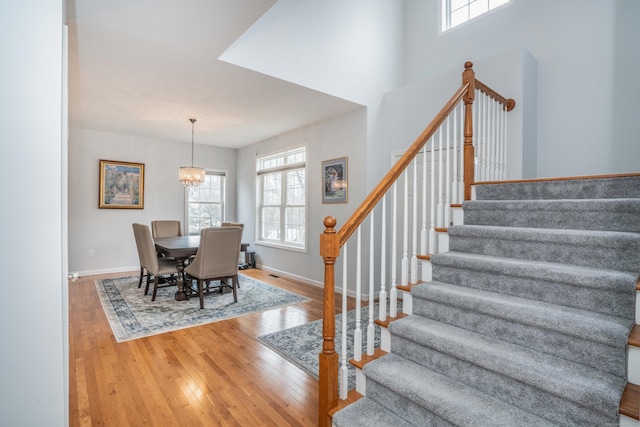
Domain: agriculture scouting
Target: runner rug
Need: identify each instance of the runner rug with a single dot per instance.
(132, 314)
(302, 344)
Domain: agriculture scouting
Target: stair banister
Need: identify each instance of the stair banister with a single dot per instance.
(331, 240)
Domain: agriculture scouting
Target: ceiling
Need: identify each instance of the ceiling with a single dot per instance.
(144, 67)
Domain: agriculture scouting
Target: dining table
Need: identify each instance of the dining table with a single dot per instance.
(181, 248)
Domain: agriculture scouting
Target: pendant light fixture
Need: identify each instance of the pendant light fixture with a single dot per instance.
(191, 176)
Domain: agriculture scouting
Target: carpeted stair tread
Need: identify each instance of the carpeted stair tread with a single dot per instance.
(367, 413)
(583, 385)
(604, 249)
(606, 329)
(611, 187)
(594, 289)
(448, 399)
(600, 214)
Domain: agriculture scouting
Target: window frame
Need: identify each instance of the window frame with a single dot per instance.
(444, 15)
(282, 169)
(223, 203)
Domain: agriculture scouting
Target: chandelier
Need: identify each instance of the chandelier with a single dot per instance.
(191, 176)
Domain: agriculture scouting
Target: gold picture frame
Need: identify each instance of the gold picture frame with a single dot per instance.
(121, 185)
(335, 184)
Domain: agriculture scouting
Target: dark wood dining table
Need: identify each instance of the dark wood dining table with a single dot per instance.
(181, 248)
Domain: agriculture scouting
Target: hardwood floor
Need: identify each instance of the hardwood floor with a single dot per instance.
(210, 375)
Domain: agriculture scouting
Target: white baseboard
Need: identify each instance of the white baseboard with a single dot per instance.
(365, 297)
(135, 269)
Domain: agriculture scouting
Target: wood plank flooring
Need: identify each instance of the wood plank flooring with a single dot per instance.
(210, 375)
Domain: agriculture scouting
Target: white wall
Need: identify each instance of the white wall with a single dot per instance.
(33, 315)
(344, 135)
(108, 232)
(574, 43)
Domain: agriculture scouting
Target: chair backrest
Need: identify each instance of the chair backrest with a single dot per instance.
(235, 224)
(166, 228)
(146, 248)
(216, 256)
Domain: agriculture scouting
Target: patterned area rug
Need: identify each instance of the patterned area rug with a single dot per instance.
(302, 344)
(132, 315)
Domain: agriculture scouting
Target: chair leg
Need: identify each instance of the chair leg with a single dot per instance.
(146, 288)
(141, 276)
(201, 292)
(234, 280)
(155, 287)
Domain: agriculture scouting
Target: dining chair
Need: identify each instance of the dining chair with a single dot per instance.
(149, 260)
(216, 260)
(166, 228)
(235, 224)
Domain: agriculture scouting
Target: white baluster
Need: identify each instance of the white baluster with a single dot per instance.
(357, 333)
(344, 371)
(423, 230)
(447, 181)
(370, 325)
(382, 297)
(440, 217)
(393, 292)
(454, 182)
(461, 157)
(404, 280)
(414, 229)
(432, 201)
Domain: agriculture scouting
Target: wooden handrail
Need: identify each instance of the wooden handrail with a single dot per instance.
(331, 240)
(507, 104)
(385, 184)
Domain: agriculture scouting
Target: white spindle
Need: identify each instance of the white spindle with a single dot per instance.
(414, 229)
(432, 201)
(382, 297)
(357, 333)
(460, 150)
(370, 325)
(423, 230)
(343, 374)
(440, 217)
(404, 280)
(393, 292)
(447, 182)
(504, 142)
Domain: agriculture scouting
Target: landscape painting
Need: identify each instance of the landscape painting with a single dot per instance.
(121, 185)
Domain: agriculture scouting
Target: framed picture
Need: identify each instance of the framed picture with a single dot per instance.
(334, 181)
(121, 185)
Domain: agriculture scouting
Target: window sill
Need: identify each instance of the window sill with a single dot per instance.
(281, 246)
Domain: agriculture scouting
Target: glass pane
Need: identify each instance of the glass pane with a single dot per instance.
(295, 187)
(495, 3)
(202, 215)
(270, 223)
(457, 4)
(459, 16)
(272, 189)
(294, 225)
(477, 8)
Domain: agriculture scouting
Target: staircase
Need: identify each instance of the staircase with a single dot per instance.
(527, 318)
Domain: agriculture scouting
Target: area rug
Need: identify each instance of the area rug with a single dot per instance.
(302, 344)
(132, 314)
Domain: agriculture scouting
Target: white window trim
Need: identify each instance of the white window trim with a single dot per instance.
(442, 17)
(219, 172)
(258, 219)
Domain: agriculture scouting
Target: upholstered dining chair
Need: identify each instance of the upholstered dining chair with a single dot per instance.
(149, 260)
(235, 224)
(216, 259)
(166, 228)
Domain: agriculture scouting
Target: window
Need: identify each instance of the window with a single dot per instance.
(206, 203)
(281, 199)
(456, 12)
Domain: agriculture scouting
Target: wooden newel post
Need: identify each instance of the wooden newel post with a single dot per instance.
(328, 366)
(468, 76)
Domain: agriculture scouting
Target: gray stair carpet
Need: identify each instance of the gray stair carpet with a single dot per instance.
(527, 318)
